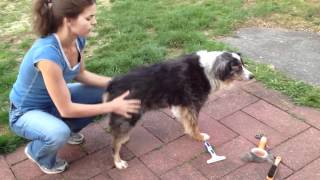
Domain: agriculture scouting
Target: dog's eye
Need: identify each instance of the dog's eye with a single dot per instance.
(237, 68)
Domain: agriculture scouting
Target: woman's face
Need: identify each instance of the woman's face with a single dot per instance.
(83, 24)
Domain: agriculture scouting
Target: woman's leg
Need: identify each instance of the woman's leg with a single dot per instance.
(47, 132)
(86, 95)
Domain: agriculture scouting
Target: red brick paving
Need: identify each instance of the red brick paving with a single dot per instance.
(179, 173)
(159, 162)
(96, 138)
(273, 97)
(142, 141)
(310, 172)
(233, 150)
(248, 127)
(253, 171)
(158, 149)
(5, 171)
(226, 105)
(300, 150)
(71, 153)
(215, 129)
(275, 118)
(162, 126)
(137, 171)
(17, 156)
(310, 115)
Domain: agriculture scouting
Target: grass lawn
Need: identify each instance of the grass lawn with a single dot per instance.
(135, 32)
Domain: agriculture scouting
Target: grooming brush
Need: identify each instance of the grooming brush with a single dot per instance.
(274, 168)
(259, 154)
(214, 156)
(259, 136)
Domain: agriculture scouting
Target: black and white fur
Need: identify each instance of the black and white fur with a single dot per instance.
(183, 84)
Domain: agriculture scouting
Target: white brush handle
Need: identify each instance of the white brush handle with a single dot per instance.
(214, 156)
(209, 148)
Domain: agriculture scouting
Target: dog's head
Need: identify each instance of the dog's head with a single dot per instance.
(224, 66)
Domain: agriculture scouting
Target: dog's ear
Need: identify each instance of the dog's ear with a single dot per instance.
(240, 55)
(222, 67)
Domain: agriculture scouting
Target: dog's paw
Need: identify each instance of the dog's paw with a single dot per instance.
(121, 164)
(205, 136)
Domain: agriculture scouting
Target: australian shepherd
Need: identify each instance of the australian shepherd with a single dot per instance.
(183, 84)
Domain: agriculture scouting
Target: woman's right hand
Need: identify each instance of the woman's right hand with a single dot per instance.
(124, 107)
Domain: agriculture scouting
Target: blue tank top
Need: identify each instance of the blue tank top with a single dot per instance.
(29, 91)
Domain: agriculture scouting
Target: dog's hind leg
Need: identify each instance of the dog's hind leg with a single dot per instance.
(188, 118)
(118, 141)
(120, 129)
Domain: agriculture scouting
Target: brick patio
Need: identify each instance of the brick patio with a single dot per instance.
(158, 149)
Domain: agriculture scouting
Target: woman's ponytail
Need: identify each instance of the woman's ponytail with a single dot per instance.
(43, 18)
(48, 14)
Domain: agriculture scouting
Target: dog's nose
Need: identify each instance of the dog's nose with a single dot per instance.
(251, 76)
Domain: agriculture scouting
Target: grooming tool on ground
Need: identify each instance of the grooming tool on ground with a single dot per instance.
(259, 136)
(214, 156)
(274, 168)
(259, 154)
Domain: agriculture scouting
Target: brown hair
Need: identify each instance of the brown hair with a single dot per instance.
(48, 14)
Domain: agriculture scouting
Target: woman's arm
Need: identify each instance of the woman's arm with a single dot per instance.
(92, 79)
(59, 93)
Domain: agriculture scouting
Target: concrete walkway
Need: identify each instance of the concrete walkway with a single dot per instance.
(295, 53)
(158, 149)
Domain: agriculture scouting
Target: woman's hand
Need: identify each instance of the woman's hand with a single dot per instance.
(123, 106)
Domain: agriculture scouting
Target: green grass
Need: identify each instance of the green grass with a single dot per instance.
(135, 32)
(300, 92)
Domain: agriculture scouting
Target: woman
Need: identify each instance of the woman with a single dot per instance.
(45, 107)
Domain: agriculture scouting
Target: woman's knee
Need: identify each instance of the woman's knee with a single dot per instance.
(58, 137)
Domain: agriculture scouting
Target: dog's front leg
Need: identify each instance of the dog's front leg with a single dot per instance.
(188, 119)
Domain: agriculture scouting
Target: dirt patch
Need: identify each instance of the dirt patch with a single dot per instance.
(283, 21)
(174, 52)
(315, 2)
(105, 3)
(248, 3)
(3, 131)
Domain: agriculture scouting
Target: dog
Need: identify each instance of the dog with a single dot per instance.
(183, 84)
